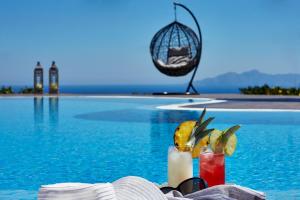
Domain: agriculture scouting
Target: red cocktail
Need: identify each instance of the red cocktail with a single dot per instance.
(212, 168)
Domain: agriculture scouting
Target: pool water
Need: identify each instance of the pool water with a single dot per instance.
(81, 139)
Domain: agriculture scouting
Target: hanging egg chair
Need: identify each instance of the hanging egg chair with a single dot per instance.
(176, 49)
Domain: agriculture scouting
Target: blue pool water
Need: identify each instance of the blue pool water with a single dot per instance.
(80, 139)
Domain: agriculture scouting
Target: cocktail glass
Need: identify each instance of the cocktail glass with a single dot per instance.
(180, 166)
(212, 168)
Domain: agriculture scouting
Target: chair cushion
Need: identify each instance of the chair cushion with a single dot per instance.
(178, 51)
(178, 60)
(175, 65)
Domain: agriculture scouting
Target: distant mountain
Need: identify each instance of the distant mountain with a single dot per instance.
(231, 81)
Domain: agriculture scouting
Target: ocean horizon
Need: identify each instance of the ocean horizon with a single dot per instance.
(128, 89)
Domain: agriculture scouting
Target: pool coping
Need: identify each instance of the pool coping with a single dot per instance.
(191, 107)
(181, 106)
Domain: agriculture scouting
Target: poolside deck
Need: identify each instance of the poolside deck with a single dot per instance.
(238, 101)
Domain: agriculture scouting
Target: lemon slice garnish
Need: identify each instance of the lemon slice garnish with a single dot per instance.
(224, 141)
(214, 138)
(230, 145)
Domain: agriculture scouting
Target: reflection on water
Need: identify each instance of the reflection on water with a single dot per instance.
(142, 116)
(53, 110)
(38, 109)
(163, 125)
(159, 118)
(173, 116)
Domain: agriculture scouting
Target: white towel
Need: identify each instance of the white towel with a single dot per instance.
(220, 192)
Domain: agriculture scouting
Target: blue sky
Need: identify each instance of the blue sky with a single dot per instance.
(107, 41)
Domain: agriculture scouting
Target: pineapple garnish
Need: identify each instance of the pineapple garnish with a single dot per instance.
(193, 135)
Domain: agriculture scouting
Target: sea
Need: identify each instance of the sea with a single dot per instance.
(129, 89)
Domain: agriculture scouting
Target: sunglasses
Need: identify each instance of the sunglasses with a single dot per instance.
(188, 186)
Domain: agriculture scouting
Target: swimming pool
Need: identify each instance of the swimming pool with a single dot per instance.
(84, 139)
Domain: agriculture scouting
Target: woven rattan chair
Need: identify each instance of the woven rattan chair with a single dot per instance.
(176, 49)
